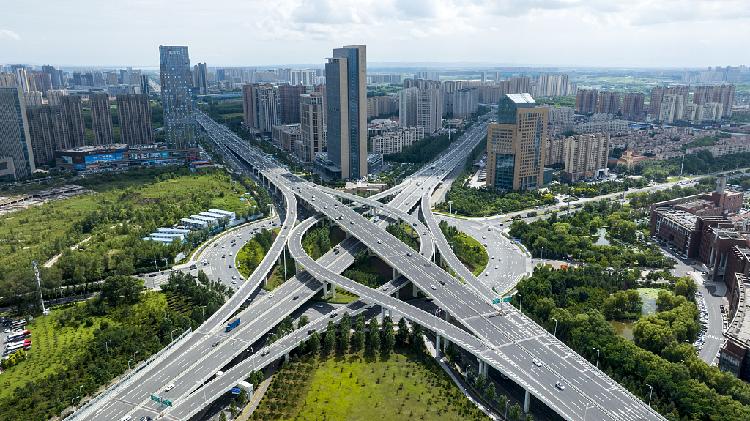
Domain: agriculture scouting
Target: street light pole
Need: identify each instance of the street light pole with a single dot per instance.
(597, 357)
(171, 336)
(203, 310)
(450, 207)
(555, 333)
(649, 394)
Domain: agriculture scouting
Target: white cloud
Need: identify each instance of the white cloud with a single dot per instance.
(8, 34)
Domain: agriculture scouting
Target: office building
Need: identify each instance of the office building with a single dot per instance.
(134, 114)
(200, 78)
(608, 102)
(585, 156)
(176, 80)
(289, 103)
(346, 113)
(516, 144)
(586, 101)
(632, 106)
(16, 153)
(32, 99)
(56, 76)
(260, 106)
(72, 116)
(421, 105)
(312, 126)
(101, 118)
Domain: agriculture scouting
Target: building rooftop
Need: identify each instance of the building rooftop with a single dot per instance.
(679, 217)
(739, 327)
(521, 98)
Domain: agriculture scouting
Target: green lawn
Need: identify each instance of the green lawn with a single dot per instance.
(53, 349)
(125, 208)
(353, 388)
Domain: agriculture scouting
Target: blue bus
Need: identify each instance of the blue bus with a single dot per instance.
(232, 325)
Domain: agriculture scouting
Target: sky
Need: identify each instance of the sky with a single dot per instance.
(601, 33)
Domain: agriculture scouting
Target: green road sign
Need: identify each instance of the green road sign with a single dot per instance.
(167, 402)
(496, 301)
(507, 299)
(155, 398)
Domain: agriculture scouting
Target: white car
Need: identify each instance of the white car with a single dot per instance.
(432, 287)
(537, 362)
(169, 387)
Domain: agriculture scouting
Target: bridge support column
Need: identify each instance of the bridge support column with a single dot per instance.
(394, 274)
(438, 351)
(286, 357)
(382, 313)
(414, 290)
(526, 401)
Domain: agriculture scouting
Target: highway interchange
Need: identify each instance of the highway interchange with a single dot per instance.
(498, 335)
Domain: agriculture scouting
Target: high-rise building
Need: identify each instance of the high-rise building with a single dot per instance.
(200, 78)
(547, 84)
(134, 114)
(722, 94)
(346, 114)
(465, 102)
(608, 102)
(585, 156)
(145, 87)
(421, 105)
(101, 118)
(32, 99)
(48, 132)
(261, 106)
(561, 120)
(632, 106)
(305, 77)
(72, 116)
(312, 126)
(56, 76)
(289, 103)
(516, 144)
(176, 80)
(672, 108)
(586, 101)
(382, 106)
(16, 153)
(657, 96)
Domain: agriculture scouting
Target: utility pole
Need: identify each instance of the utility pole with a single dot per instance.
(39, 286)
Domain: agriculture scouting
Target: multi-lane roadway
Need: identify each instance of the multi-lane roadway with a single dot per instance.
(499, 336)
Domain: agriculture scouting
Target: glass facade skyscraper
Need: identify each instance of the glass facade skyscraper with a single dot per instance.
(346, 103)
(176, 81)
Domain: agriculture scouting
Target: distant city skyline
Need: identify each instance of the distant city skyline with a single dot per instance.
(640, 33)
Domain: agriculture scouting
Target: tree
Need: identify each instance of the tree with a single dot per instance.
(119, 289)
(303, 321)
(416, 338)
(345, 326)
(389, 339)
(402, 335)
(373, 337)
(329, 340)
(514, 412)
(490, 393)
(358, 338)
(685, 287)
(313, 344)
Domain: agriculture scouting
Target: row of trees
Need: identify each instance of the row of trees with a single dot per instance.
(485, 201)
(405, 233)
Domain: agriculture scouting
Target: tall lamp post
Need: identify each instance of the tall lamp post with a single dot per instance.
(450, 207)
(651, 391)
(597, 357)
(555, 332)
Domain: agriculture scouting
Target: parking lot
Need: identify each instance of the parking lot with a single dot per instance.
(15, 337)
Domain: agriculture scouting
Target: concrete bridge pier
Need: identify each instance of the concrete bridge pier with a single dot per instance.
(438, 350)
(526, 401)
